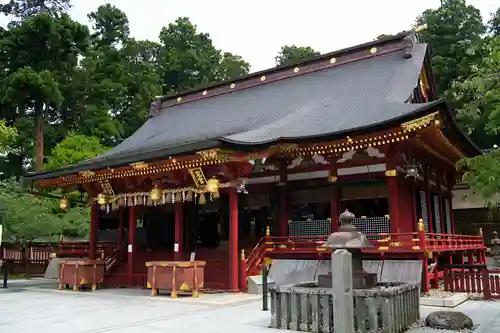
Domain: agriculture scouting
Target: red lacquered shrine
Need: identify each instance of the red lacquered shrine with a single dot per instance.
(262, 163)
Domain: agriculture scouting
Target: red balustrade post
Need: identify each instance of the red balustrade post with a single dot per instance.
(243, 272)
(425, 263)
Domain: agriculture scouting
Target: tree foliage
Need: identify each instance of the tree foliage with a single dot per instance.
(75, 148)
(26, 217)
(66, 93)
(452, 29)
(291, 54)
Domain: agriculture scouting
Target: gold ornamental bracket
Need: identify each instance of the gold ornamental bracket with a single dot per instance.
(215, 154)
(391, 173)
(431, 119)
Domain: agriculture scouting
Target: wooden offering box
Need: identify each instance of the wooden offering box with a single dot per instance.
(81, 272)
(186, 276)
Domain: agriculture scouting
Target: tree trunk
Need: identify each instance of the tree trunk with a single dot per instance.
(39, 120)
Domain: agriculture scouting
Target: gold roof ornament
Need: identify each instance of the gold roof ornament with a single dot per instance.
(101, 199)
(155, 194)
(64, 203)
(212, 185)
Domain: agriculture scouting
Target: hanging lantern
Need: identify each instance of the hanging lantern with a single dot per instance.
(64, 203)
(101, 199)
(155, 194)
(189, 196)
(168, 199)
(202, 199)
(213, 185)
(178, 197)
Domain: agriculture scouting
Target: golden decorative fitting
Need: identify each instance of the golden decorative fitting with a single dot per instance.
(242, 254)
(285, 147)
(212, 185)
(418, 123)
(101, 199)
(179, 99)
(215, 154)
(139, 165)
(233, 85)
(391, 173)
(263, 78)
(421, 226)
(205, 93)
(333, 60)
(268, 231)
(332, 179)
(428, 255)
(437, 122)
(202, 199)
(373, 50)
(86, 174)
(383, 248)
(64, 203)
(416, 247)
(155, 194)
(296, 70)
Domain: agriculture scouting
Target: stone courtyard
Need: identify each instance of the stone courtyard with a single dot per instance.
(36, 306)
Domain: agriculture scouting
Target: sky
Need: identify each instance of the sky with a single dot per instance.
(257, 29)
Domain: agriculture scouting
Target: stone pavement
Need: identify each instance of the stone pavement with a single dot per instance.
(36, 306)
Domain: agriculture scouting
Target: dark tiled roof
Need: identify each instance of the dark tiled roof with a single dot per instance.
(340, 99)
(355, 95)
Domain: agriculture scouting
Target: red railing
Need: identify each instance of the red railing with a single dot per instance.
(473, 281)
(82, 248)
(311, 246)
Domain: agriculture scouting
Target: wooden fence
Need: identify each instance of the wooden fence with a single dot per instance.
(32, 260)
(475, 279)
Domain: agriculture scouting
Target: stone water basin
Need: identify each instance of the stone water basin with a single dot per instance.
(391, 307)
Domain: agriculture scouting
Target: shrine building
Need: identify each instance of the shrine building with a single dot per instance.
(277, 153)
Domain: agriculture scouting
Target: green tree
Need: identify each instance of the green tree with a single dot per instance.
(188, 59)
(41, 51)
(494, 23)
(479, 94)
(452, 30)
(26, 217)
(75, 148)
(291, 54)
(22, 9)
(8, 136)
(232, 66)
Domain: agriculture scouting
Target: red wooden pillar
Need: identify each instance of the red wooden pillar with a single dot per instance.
(132, 224)
(427, 188)
(392, 184)
(442, 210)
(334, 199)
(233, 239)
(283, 205)
(120, 225)
(452, 215)
(179, 217)
(94, 226)
(334, 209)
